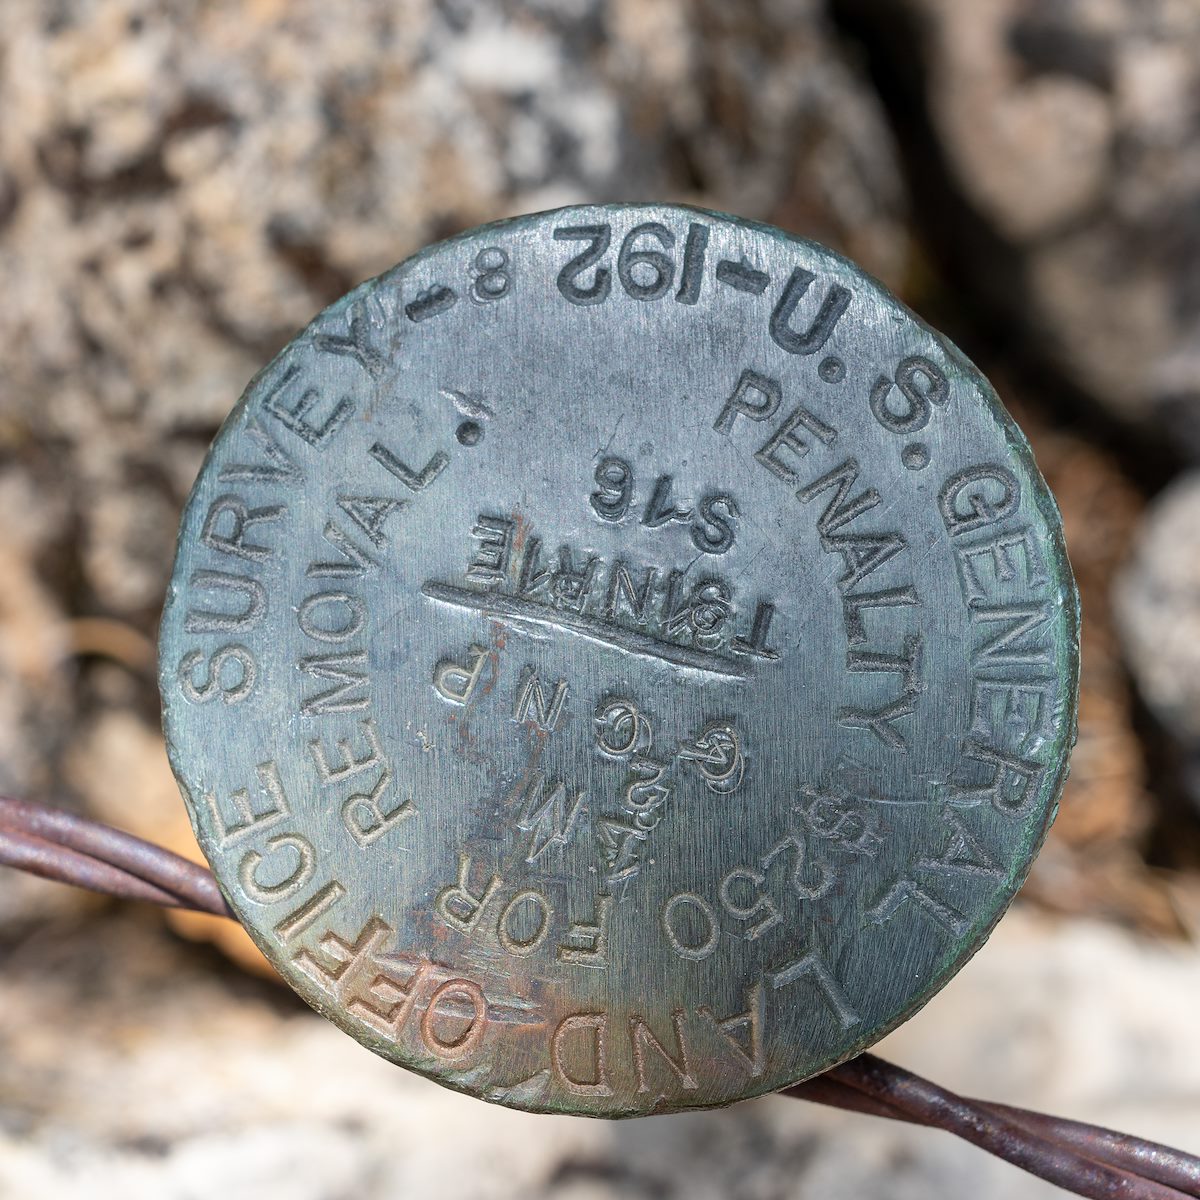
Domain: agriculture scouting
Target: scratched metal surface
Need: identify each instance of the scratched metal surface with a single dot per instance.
(619, 660)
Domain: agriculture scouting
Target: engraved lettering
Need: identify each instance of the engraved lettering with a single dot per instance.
(642, 1039)
(854, 603)
(950, 919)
(825, 877)
(278, 469)
(366, 818)
(549, 819)
(756, 643)
(742, 276)
(962, 852)
(717, 753)
(490, 564)
(646, 274)
(571, 584)
(841, 509)
(590, 941)
(231, 675)
(456, 683)
(531, 703)
(679, 619)
(294, 411)
(468, 1038)
(978, 496)
(1013, 783)
(598, 238)
(712, 532)
(621, 729)
(751, 1052)
(921, 384)
(370, 514)
(430, 302)
(692, 275)
(352, 972)
(285, 888)
(360, 345)
(755, 396)
(363, 815)
(350, 690)
(296, 922)
(695, 933)
(457, 905)
(660, 509)
(880, 720)
(786, 438)
(253, 603)
(415, 481)
(593, 1081)
(614, 489)
(1006, 648)
(240, 817)
(333, 617)
(355, 561)
(532, 578)
(758, 902)
(862, 554)
(811, 967)
(493, 279)
(349, 766)
(810, 340)
(986, 564)
(832, 816)
(636, 597)
(510, 921)
(386, 1001)
(1013, 714)
(240, 519)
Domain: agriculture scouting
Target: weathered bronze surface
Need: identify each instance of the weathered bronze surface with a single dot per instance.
(620, 660)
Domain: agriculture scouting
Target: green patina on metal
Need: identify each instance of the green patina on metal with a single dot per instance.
(620, 661)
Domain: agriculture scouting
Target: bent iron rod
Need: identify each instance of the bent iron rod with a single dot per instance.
(1084, 1159)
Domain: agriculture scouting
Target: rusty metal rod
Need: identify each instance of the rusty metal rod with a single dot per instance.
(53, 861)
(1015, 1143)
(1151, 1160)
(1084, 1159)
(188, 885)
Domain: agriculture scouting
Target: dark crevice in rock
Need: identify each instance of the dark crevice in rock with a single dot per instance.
(306, 256)
(1173, 841)
(978, 295)
(1048, 45)
(197, 112)
(576, 1172)
(62, 159)
(10, 199)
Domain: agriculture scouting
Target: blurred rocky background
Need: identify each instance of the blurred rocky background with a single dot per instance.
(184, 184)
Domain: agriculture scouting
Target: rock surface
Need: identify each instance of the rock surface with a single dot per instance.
(1158, 599)
(1067, 130)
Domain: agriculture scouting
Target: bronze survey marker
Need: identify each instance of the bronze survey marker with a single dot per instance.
(620, 660)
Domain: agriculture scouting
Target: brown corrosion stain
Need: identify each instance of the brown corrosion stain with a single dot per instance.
(522, 527)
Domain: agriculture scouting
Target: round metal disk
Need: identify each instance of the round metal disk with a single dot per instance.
(620, 660)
